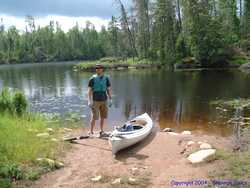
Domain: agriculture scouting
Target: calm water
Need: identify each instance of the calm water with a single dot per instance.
(179, 100)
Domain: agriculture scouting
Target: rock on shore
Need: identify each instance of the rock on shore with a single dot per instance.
(201, 156)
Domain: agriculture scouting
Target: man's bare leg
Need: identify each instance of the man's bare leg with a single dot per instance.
(102, 124)
(92, 125)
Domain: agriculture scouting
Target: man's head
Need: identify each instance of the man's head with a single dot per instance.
(99, 69)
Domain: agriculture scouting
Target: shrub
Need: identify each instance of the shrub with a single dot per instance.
(13, 103)
(20, 103)
(245, 45)
(6, 101)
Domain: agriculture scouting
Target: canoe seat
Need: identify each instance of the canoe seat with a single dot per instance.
(130, 127)
(137, 127)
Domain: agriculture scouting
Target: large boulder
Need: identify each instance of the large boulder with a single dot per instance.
(201, 156)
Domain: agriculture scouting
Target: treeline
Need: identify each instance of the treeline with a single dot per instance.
(162, 30)
(170, 30)
(50, 43)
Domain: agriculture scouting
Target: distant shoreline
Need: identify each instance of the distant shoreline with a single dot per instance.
(41, 63)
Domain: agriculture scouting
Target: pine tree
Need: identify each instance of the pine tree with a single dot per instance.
(113, 30)
(164, 25)
(246, 20)
(229, 19)
(143, 35)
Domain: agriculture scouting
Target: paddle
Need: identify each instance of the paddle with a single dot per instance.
(75, 138)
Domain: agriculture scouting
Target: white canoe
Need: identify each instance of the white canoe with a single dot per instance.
(120, 139)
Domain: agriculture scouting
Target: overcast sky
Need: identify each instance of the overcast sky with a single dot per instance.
(67, 12)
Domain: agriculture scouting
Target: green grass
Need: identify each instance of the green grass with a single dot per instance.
(239, 60)
(20, 147)
(236, 167)
(19, 143)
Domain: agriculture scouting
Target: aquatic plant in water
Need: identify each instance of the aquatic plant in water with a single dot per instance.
(234, 103)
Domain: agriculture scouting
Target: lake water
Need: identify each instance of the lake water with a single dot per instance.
(174, 99)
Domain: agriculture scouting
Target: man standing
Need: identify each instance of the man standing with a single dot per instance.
(99, 91)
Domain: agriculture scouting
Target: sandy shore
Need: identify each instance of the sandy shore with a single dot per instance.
(155, 162)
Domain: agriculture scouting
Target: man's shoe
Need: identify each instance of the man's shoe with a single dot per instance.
(103, 134)
(90, 134)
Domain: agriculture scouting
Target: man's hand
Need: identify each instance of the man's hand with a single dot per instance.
(90, 103)
(110, 103)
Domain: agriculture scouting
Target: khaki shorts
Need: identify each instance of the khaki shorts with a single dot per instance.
(99, 107)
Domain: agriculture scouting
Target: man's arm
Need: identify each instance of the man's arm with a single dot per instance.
(90, 94)
(109, 91)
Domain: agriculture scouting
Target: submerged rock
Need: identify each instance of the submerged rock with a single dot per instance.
(201, 156)
(245, 66)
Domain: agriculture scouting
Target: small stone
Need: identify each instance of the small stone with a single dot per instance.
(132, 180)
(43, 135)
(59, 164)
(201, 156)
(200, 142)
(186, 133)
(205, 146)
(116, 181)
(47, 161)
(190, 143)
(219, 108)
(134, 169)
(50, 130)
(50, 162)
(54, 139)
(168, 130)
(33, 130)
(96, 178)
(67, 129)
